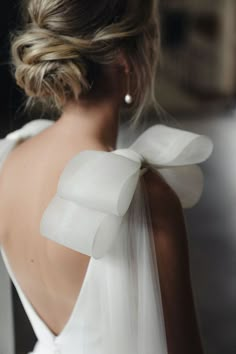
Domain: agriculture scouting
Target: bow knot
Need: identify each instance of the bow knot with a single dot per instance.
(135, 156)
(130, 154)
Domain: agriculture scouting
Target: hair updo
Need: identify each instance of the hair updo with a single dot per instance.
(59, 53)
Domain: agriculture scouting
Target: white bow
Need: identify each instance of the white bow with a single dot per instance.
(96, 188)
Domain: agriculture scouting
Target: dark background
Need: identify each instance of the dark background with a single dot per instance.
(11, 97)
(196, 86)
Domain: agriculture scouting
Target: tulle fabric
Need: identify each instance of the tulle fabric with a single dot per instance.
(134, 321)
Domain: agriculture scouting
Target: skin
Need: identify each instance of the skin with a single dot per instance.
(171, 246)
(51, 275)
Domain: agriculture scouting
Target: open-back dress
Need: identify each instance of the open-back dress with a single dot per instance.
(100, 209)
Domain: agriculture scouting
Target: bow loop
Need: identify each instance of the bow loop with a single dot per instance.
(165, 146)
(100, 180)
(94, 192)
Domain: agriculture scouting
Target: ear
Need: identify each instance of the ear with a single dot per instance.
(122, 60)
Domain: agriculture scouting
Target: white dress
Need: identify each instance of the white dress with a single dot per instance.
(100, 209)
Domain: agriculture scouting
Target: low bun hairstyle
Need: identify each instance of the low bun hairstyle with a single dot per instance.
(59, 53)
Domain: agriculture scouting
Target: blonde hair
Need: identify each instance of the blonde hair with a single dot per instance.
(64, 44)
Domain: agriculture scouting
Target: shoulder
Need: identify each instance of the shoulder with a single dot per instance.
(159, 191)
(3, 229)
(165, 206)
(172, 254)
(15, 175)
(9, 176)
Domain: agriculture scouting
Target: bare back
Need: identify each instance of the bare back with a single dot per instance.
(49, 274)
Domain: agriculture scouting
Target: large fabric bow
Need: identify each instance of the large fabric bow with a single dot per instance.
(96, 188)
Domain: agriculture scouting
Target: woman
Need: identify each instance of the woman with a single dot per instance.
(85, 226)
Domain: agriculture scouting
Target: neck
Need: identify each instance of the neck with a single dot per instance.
(93, 123)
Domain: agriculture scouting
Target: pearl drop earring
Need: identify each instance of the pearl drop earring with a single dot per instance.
(128, 97)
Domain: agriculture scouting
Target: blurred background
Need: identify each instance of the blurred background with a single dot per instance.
(196, 86)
